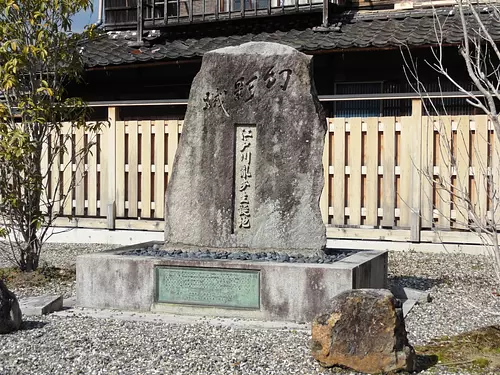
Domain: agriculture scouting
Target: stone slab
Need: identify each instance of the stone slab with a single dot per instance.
(410, 297)
(41, 305)
(288, 291)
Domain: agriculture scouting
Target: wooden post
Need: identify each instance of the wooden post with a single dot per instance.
(113, 116)
(416, 170)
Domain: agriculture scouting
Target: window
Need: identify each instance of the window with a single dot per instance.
(370, 108)
(249, 4)
(355, 108)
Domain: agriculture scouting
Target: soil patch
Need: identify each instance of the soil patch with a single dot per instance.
(477, 351)
(15, 278)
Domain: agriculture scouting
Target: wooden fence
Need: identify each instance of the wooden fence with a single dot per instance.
(379, 176)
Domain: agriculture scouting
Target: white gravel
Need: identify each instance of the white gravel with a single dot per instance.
(461, 287)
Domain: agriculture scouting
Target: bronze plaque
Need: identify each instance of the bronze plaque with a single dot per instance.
(208, 286)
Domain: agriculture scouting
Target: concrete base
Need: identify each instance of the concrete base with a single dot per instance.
(288, 291)
(40, 305)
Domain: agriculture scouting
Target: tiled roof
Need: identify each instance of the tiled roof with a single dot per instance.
(374, 29)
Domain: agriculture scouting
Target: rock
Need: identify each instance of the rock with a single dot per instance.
(248, 172)
(10, 312)
(363, 330)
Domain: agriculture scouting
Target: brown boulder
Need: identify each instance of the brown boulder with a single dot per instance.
(363, 330)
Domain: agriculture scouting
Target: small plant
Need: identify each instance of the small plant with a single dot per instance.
(39, 56)
(481, 362)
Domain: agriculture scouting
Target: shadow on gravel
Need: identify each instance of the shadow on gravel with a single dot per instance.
(424, 362)
(28, 325)
(419, 283)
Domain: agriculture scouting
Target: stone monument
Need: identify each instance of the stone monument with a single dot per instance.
(248, 171)
(242, 221)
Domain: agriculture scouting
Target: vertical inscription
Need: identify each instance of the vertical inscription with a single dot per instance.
(244, 178)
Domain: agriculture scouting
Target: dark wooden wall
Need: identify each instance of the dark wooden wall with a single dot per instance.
(355, 72)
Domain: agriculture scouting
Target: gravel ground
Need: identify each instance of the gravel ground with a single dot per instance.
(461, 286)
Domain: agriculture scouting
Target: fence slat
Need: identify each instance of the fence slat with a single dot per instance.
(323, 203)
(480, 166)
(159, 168)
(372, 172)
(120, 168)
(44, 169)
(146, 169)
(79, 172)
(414, 142)
(339, 170)
(462, 179)
(406, 166)
(444, 197)
(173, 140)
(67, 169)
(388, 161)
(55, 160)
(92, 177)
(132, 169)
(105, 166)
(108, 194)
(355, 172)
(426, 187)
(495, 188)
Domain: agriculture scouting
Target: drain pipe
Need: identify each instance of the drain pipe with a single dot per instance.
(139, 22)
(326, 13)
(100, 18)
